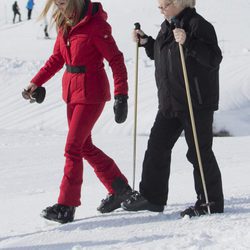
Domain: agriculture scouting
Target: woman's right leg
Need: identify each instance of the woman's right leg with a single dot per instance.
(81, 119)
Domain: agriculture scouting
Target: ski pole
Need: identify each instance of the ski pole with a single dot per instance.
(190, 107)
(137, 27)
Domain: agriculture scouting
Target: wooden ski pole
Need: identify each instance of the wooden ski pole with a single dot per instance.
(190, 107)
(137, 27)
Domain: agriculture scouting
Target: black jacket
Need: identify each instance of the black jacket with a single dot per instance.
(202, 56)
(15, 7)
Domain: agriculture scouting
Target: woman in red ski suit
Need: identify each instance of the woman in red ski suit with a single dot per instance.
(84, 40)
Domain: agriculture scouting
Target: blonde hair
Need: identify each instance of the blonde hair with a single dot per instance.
(185, 3)
(69, 17)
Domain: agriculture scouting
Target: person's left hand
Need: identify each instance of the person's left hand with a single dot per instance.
(180, 35)
(31, 87)
(121, 108)
(33, 93)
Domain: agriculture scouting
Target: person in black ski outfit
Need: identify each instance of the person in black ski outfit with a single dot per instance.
(203, 57)
(16, 11)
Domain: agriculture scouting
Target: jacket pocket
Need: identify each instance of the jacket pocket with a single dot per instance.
(77, 88)
(80, 87)
(170, 62)
(83, 85)
(65, 86)
(79, 44)
(198, 92)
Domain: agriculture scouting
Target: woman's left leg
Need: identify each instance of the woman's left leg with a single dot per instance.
(105, 168)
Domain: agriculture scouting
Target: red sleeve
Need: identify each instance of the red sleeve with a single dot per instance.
(106, 45)
(51, 67)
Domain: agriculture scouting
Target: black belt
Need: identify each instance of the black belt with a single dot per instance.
(75, 69)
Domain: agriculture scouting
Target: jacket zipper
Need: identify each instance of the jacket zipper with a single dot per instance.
(170, 71)
(197, 87)
(170, 62)
(68, 44)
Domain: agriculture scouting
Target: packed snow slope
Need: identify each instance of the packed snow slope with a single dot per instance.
(32, 141)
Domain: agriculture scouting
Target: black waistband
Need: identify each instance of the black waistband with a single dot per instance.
(75, 69)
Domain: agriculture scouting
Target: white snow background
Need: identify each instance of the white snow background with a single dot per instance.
(32, 138)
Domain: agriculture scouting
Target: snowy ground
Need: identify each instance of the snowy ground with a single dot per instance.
(32, 140)
(31, 166)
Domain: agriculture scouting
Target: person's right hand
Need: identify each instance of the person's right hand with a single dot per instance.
(139, 37)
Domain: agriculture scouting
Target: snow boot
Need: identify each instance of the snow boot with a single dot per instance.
(192, 212)
(59, 213)
(137, 202)
(113, 201)
(200, 208)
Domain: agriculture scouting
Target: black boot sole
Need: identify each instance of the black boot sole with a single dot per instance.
(56, 220)
(149, 207)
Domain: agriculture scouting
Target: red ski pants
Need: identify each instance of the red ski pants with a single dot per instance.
(81, 119)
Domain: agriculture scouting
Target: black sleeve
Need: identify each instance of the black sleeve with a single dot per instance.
(201, 43)
(149, 47)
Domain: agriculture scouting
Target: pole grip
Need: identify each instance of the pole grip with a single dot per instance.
(137, 26)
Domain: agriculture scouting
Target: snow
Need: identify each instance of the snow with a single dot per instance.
(32, 141)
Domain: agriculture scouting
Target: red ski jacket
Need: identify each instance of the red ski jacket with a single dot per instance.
(87, 44)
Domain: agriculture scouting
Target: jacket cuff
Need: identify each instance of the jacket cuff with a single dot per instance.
(149, 43)
(36, 81)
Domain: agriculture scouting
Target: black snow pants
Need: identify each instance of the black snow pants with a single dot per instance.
(29, 13)
(157, 159)
(16, 13)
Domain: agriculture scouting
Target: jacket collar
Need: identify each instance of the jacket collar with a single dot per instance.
(183, 17)
(85, 9)
(85, 16)
(89, 10)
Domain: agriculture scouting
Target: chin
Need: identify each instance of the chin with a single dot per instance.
(167, 18)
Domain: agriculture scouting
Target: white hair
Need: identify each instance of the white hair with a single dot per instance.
(185, 3)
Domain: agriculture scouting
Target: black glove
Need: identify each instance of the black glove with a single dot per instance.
(38, 95)
(139, 36)
(121, 108)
